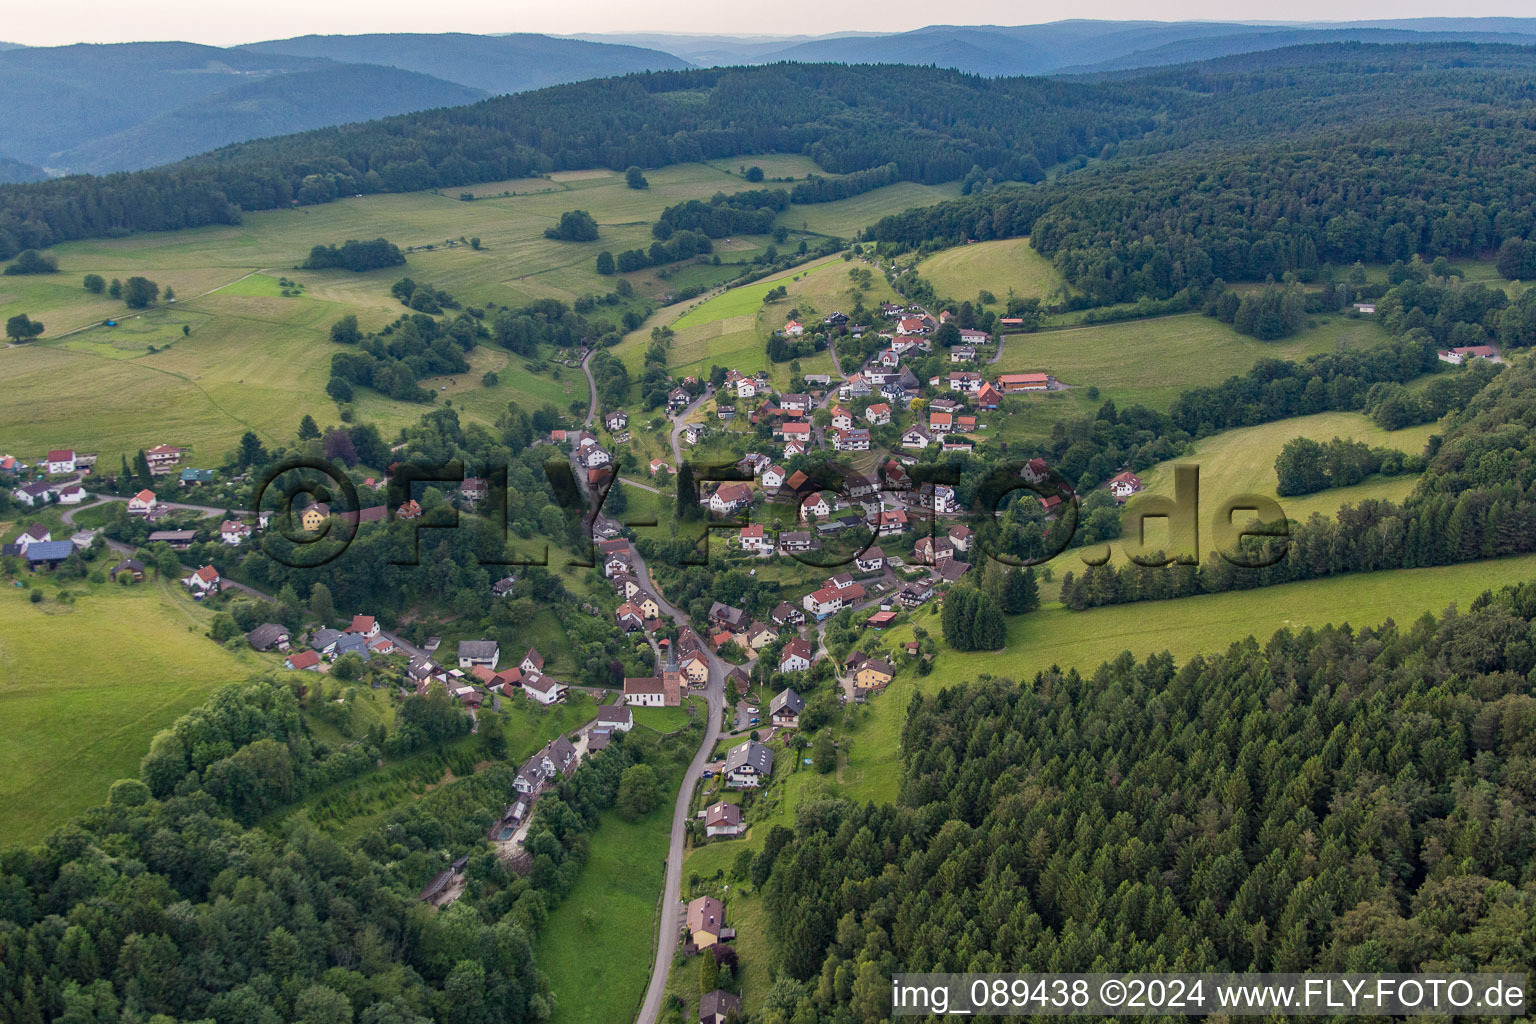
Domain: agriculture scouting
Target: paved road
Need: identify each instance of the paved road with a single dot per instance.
(586, 368)
(680, 421)
(998, 355)
(671, 893)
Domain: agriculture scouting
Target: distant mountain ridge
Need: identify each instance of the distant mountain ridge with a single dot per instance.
(495, 64)
(67, 110)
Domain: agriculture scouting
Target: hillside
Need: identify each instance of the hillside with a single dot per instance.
(68, 113)
(17, 171)
(495, 64)
(1066, 47)
(263, 107)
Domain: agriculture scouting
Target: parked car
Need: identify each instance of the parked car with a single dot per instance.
(754, 721)
(751, 711)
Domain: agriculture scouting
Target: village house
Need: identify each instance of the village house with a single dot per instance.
(202, 582)
(695, 669)
(871, 560)
(1123, 485)
(479, 652)
(726, 616)
(971, 336)
(71, 494)
(785, 614)
(931, 551)
(195, 477)
(962, 354)
(705, 921)
(793, 448)
(890, 522)
(267, 636)
(179, 540)
(613, 718)
(303, 661)
(796, 541)
(912, 325)
(988, 397)
(814, 505)
(141, 503)
(723, 819)
(873, 675)
(842, 419)
(233, 532)
(960, 537)
(1467, 353)
(797, 655)
(943, 499)
(754, 539)
(60, 461)
(966, 382)
(784, 709)
(132, 566)
(794, 329)
(50, 554)
(162, 459)
(691, 433)
(730, 497)
(532, 661)
(855, 440)
(878, 414)
(629, 618)
(773, 478)
(916, 436)
(940, 423)
(616, 421)
(542, 689)
(914, 594)
(793, 431)
(823, 603)
(748, 765)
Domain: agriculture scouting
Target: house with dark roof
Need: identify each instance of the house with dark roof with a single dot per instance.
(267, 636)
(748, 765)
(479, 652)
(718, 1006)
(723, 819)
(784, 710)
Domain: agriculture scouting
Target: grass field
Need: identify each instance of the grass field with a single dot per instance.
(1004, 267)
(596, 947)
(1152, 361)
(257, 360)
(846, 217)
(1242, 461)
(85, 686)
(731, 329)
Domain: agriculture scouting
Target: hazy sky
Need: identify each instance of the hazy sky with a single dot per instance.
(55, 22)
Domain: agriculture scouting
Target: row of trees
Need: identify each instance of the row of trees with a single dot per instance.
(1305, 466)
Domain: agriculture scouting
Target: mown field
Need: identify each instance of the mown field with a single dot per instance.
(846, 217)
(1242, 461)
(1151, 361)
(1006, 267)
(85, 686)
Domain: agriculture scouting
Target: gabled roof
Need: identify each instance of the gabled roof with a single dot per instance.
(786, 700)
(750, 754)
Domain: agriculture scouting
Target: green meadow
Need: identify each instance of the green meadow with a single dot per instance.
(1006, 267)
(1152, 361)
(85, 685)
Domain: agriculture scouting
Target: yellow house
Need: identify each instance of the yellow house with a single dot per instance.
(705, 920)
(315, 516)
(696, 669)
(648, 606)
(873, 674)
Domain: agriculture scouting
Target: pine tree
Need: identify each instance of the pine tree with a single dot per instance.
(308, 428)
(988, 631)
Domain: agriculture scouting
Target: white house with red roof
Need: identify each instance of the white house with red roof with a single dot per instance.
(366, 625)
(756, 540)
(162, 458)
(61, 460)
(794, 329)
(822, 603)
(912, 325)
(203, 582)
(878, 414)
(141, 503)
(1123, 485)
(814, 505)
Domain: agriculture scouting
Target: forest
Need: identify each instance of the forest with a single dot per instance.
(166, 904)
(1328, 800)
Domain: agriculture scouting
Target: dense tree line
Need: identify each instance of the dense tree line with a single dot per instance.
(1247, 812)
(355, 256)
(740, 213)
(681, 245)
(1305, 466)
(394, 359)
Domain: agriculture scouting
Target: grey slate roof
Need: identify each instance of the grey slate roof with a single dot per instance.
(750, 754)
